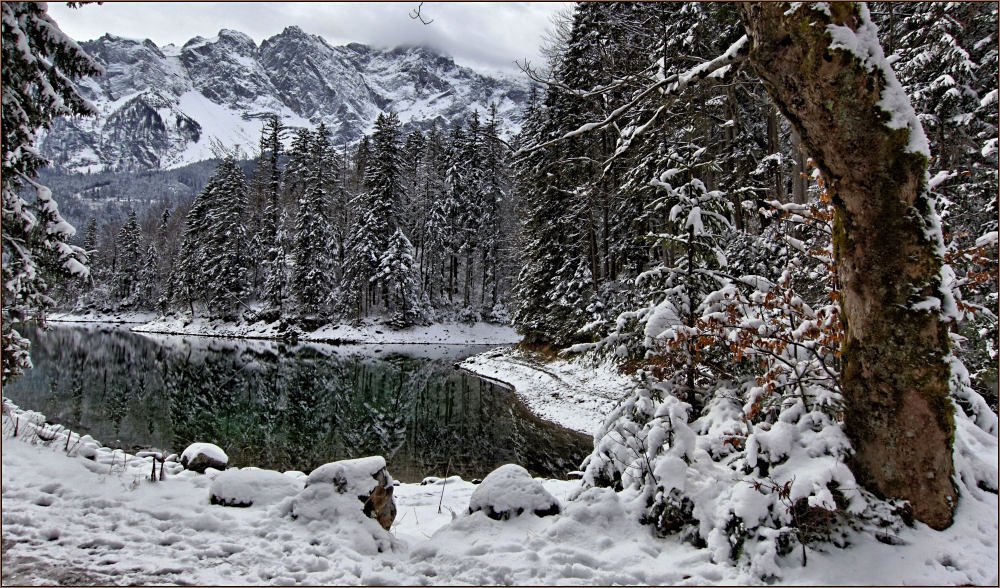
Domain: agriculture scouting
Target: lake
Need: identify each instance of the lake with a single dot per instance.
(289, 407)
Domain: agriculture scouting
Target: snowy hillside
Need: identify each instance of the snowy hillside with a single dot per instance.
(164, 107)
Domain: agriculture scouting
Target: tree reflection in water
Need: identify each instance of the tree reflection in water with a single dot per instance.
(289, 408)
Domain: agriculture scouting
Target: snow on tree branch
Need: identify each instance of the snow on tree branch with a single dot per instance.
(668, 86)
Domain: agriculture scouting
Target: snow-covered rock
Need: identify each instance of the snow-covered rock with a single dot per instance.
(334, 489)
(252, 487)
(199, 457)
(509, 491)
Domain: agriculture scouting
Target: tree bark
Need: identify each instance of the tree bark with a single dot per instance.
(798, 169)
(898, 414)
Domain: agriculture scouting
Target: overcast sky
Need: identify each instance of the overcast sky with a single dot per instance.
(487, 35)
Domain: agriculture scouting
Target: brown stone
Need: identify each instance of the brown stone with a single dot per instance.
(380, 505)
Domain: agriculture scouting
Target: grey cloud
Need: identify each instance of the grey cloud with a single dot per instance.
(483, 34)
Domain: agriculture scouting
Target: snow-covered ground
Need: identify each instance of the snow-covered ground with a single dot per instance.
(575, 393)
(72, 520)
(364, 332)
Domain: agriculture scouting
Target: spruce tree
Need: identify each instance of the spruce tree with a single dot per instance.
(227, 257)
(312, 272)
(396, 276)
(379, 208)
(129, 261)
(39, 65)
(90, 248)
(213, 260)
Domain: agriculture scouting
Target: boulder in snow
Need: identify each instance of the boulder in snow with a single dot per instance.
(252, 487)
(365, 479)
(200, 456)
(509, 491)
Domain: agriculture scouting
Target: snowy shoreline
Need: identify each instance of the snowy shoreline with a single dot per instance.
(574, 393)
(444, 333)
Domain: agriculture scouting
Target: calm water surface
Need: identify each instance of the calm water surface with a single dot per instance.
(289, 407)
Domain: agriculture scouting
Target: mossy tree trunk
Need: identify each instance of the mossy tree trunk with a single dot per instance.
(898, 414)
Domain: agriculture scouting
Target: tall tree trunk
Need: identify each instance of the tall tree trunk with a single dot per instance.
(798, 169)
(898, 414)
(774, 146)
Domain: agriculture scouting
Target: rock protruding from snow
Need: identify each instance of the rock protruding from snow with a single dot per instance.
(252, 487)
(509, 491)
(198, 457)
(365, 479)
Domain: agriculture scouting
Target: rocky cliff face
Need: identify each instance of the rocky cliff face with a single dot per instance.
(164, 107)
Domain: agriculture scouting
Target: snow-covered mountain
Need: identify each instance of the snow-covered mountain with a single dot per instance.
(164, 107)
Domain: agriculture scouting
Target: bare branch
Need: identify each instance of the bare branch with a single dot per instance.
(669, 86)
(415, 14)
(550, 82)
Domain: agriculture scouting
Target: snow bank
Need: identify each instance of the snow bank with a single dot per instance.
(366, 332)
(576, 393)
(510, 491)
(91, 316)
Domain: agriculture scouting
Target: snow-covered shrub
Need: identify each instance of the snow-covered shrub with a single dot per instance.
(726, 481)
(510, 491)
(762, 469)
(760, 466)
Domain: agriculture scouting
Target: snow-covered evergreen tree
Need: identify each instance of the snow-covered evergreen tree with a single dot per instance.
(312, 271)
(266, 188)
(213, 260)
(227, 257)
(379, 214)
(90, 247)
(39, 65)
(129, 261)
(396, 276)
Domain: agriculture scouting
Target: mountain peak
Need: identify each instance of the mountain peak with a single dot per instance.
(216, 90)
(230, 34)
(293, 31)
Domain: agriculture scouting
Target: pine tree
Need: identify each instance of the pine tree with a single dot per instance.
(411, 169)
(227, 259)
(312, 278)
(396, 276)
(379, 210)
(212, 263)
(270, 153)
(265, 202)
(433, 233)
(313, 268)
(147, 286)
(552, 253)
(90, 248)
(298, 169)
(361, 261)
(495, 202)
(276, 281)
(129, 262)
(39, 65)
